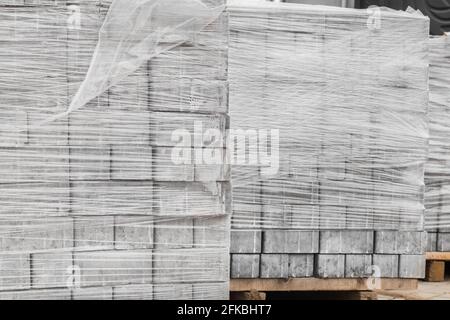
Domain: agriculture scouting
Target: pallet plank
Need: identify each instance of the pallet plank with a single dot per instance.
(440, 256)
(316, 284)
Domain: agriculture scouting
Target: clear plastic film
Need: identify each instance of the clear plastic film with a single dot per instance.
(349, 100)
(135, 32)
(328, 109)
(99, 199)
(437, 174)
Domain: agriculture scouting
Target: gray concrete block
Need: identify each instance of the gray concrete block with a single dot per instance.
(189, 96)
(39, 17)
(81, 45)
(213, 166)
(134, 232)
(301, 265)
(51, 270)
(213, 232)
(173, 291)
(100, 293)
(346, 241)
(94, 233)
(400, 242)
(28, 165)
(37, 3)
(131, 93)
(386, 242)
(215, 35)
(246, 176)
(298, 165)
(189, 62)
(174, 233)
(245, 266)
(386, 265)
(35, 199)
(412, 218)
(358, 266)
(412, 242)
(247, 216)
(296, 192)
(218, 170)
(133, 292)
(109, 268)
(333, 193)
(245, 241)
(173, 164)
(51, 134)
(131, 162)
(332, 217)
(274, 266)
(290, 216)
(211, 291)
(13, 2)
(88, 127)
(111, 198)
(191, 199)
(14, 131)
(412, 266)
(333, 166)
(359, 216)
(128, 116)
(386, 214)
(15, 272)
(191, 265)
(444, 222)
(44, 294)
(290, 241)
(386, 218)
(36, 234)
(330, 266)
(247, 203)
(443, 242)
(90, 163)
(432, 241)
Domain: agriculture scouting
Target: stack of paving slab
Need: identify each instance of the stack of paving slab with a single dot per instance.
(347, 91)
(437, 171)
(93, 205)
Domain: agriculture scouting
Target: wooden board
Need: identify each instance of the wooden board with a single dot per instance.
(435, 271)
(439, 256)
(315, 284)
(305, 295)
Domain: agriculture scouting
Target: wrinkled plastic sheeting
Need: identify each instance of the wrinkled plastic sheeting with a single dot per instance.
(437, 174)
(135, 32)
(346, 93)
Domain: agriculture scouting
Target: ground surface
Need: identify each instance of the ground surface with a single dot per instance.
(426, 291)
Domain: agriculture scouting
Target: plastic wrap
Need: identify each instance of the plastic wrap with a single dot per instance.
(437, 174)
(100, 195)
(133, 33)
(335, 101)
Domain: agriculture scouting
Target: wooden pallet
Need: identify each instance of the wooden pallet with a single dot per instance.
(436, 261)
(345, 289)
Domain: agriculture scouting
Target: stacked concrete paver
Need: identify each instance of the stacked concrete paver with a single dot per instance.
(348, 92)
(93, 205)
